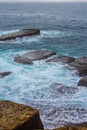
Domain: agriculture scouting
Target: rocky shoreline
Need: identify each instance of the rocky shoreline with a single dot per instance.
(15, 116)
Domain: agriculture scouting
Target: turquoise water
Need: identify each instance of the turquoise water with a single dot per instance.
(63, 30)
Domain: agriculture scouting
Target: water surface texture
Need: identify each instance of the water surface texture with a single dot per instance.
(63, 30)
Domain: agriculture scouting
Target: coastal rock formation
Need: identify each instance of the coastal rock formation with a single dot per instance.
(3, 74)
(29, 57)
(19, 34)
(15, 116)
(80, 64)
(83, 82)
(23, 60)
(61, 59)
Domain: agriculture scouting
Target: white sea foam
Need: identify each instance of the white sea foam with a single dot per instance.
(32, 85)
(7, 32)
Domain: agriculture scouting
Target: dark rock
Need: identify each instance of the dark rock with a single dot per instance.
(15, 116)
(29, 57)
(3, 74)
(19, 34)
(80, 64)
(83, 82)
(64, 89)
(61, 59)
(67, 89)
(82, 60)
(23, 60)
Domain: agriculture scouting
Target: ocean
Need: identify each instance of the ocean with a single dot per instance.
(63, 30)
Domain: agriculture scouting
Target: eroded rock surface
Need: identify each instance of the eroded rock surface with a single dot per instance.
(29, 57)
(19, 34)
(83, 82)
(3, 74)
(15, 116)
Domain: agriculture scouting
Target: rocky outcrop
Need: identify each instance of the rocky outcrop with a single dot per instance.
(19, 34)
(23, 60)
(83, 82)
(15, 116)
(61, 59)
(80, 64)
(29, 57)
(3, 74)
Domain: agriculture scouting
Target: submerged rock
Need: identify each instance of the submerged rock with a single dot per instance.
(19, 34)
(3, 74)
(61, 59)
(64, 89)
(83, 82)
(15, 116)
(29, 57)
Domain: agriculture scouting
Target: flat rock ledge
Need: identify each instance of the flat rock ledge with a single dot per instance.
(78, 64)
(3, 74)
(15, 116)
(19, 34)
(61, 59)
(29, 57)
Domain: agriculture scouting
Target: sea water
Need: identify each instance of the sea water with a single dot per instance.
(63, 30)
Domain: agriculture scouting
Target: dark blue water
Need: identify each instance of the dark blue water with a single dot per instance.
(64, 30)
(68, 18)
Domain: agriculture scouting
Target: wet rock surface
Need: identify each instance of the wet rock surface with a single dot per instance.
(19, 34)
(3, 74)
(60, 88)
(83, 82)
(80, 64)
(23, 60)
(15, 116)
(29, 57)
(61, 59)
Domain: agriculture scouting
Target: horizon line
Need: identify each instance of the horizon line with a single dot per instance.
(43, 1)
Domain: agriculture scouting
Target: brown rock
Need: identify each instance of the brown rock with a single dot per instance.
(29, 57)
(83, 82)
(15, 116)
(61, 59)
(3, 74)
(19, 34)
